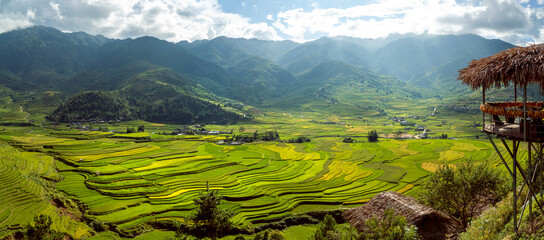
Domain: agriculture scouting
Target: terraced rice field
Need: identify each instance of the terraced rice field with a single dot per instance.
(23, 194)
(129, 183)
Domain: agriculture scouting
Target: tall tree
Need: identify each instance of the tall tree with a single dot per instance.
(461, 190)
(211, 220)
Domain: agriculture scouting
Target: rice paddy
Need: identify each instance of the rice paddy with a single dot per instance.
(23, 176)
(127, 183)
(127, 180)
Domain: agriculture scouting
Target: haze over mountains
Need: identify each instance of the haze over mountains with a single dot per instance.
(214, 72)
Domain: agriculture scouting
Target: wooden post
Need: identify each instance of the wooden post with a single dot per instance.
(525, 113)
(483, 113)
(530, 170)
(515, 200)
(540, 159)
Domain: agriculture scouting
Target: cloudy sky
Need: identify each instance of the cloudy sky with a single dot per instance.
(516, 21)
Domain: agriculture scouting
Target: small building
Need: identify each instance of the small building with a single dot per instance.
(430, 223)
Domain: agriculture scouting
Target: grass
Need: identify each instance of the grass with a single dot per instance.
(24, 177)
(128, 183)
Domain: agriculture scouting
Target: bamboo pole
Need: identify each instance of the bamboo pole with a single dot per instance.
(530, 170)
(514, 202)
(483, 113)
(525, 113)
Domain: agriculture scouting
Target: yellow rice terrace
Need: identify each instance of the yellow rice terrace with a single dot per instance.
(128, 183)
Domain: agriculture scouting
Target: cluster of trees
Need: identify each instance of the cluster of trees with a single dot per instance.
(182, 109)
(299, 139)
(124, 105)
(461, 191)
(40, 230)
(389, 227)
(255, 137)
(90, 106)
(372, 136)
(141, 128)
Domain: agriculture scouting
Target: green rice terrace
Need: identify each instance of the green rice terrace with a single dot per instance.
(127, 182)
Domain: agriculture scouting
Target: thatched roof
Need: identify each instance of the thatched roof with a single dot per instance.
(519, 66)
(431, 224)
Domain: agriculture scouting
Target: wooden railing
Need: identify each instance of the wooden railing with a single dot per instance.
(505, 119)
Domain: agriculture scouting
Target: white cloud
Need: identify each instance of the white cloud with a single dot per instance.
(11, 21)
(493, 18)
(175, 20)
(30, 13)
(172, 20)
(56, 7)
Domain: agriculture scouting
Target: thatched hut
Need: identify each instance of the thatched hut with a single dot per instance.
(520, 67)
(517, 66)
(523, 121)
(431, 224)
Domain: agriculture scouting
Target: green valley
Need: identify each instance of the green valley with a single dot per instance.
(71, 104)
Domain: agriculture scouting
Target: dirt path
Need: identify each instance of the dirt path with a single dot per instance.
(22, 109)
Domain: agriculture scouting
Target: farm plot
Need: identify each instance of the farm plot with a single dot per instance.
(128, 183)
(22, 176)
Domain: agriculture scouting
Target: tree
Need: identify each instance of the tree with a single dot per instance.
(42, 229)
(211, 220)
(389, 227)
(461, 191)
(241, 129)
(373, 136)
(141, 128)
(329, 230)
(325, 228)
(269, 235)
(130, 130)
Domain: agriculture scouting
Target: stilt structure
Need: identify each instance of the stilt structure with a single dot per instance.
(514, 122)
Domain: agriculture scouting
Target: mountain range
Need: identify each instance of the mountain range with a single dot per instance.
(184, 82)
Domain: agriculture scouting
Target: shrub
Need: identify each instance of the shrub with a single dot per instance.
(373, 136)
(270, 235)
(461, 191)
(325, 228)
(239, 237)
(42, 229)
(299, 139)
(130, 130)
(329, 230)
(389, 227)
(491, 222)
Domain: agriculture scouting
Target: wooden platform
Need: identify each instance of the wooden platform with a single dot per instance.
(515, 132)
